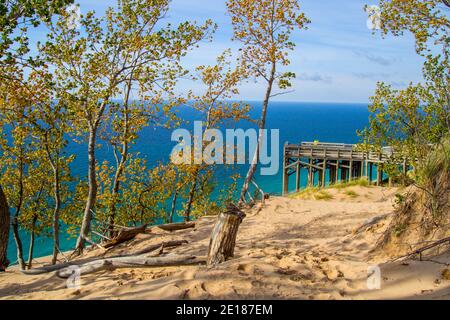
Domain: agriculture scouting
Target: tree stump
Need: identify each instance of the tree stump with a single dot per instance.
(4, 230)
(223, 236)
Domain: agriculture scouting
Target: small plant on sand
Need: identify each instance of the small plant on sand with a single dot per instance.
(399, 199)
(446, 274)
(305, 193)
(323, 195)
(351, 193)
(398, 230)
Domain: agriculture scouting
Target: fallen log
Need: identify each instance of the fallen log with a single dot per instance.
(223, 235)
(46, 269)
(162, 245)
(127, 262)
(51, 268)
(177, 226)
(124, 235)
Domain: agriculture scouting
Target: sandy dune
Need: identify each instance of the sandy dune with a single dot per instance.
(287, 249)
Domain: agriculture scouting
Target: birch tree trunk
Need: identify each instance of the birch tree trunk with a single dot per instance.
(174, 203)
(54, 163)
(15, 222)
(115, 193)
(57, 196)
(187, 212)
(92, 193)
(120, 163)
(31, 248)
(4, 231)
(262, 126)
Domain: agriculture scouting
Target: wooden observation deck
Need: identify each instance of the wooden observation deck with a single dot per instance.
(332, 163)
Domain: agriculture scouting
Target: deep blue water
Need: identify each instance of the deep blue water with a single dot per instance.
(297, 121)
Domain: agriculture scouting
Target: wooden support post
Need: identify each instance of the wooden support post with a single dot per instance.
(332, 174)
(344, 173)
(337, 171)
(223, 235)
(297, 177)
(285, 176)
(285, 182)
(367, 170)
(319, 178)
(379, 175)
(324, 172)
(379, 171)
(361, 169)
(308, 183)
(350, 171)
(370, 172)
(309, 173)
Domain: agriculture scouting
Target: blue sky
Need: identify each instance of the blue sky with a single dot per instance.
(338, 59)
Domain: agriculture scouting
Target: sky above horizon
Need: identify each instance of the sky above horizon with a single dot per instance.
(338, 59)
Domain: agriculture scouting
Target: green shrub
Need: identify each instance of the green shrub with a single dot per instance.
(323, 195)
(351, 193)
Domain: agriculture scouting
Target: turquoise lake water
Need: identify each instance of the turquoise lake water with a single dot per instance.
(297, 121)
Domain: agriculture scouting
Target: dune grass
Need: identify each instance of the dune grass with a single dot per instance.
(323, 195)
(362, 182)
(351, 193)
(313, 193)
(310, 191)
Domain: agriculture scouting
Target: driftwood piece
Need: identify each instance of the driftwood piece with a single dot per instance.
(127, 262)
(263, 194)
(177, 226)
(223, 235)
(369, 222)
(124, 235)
(162, 245)
(48, 269)
(88, 240)
(51, 268)
(425, 248)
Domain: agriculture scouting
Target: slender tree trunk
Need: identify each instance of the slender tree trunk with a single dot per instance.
(262, 125)
(15, 222)
(174, 203)
(120, 164)
(20, 259)
(31, 248)
(4, 231)
(92, 193)
(54, 163)
(116, 185)
(115, 192)
(57, 196)
(187, 212)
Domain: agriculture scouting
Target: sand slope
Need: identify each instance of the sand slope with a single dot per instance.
(287, 249)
